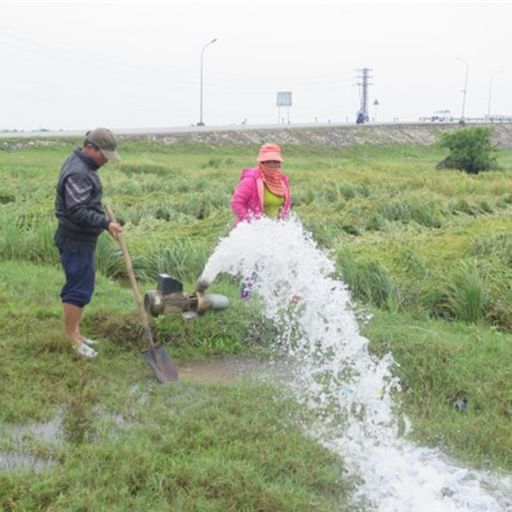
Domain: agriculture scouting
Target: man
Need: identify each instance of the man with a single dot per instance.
(81, 220)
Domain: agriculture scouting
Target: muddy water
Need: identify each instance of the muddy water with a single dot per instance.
(229, 370)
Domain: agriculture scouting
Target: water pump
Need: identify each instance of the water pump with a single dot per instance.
(169, 299)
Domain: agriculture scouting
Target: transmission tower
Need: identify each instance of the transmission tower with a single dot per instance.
(363, 81)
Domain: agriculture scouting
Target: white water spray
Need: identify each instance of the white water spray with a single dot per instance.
(348, 388)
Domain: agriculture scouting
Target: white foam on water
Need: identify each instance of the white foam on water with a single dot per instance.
(349, 389)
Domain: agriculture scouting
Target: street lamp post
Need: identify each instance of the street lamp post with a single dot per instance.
(201, 123)
(465, 88)
(490, 92)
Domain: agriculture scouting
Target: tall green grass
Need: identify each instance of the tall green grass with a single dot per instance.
(371, 201)
(440, 363)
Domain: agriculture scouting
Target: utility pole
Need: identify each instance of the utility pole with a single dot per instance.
(363, 81)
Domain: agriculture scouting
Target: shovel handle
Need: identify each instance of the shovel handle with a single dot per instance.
(133, 281)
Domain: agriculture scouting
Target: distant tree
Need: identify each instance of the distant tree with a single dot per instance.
(471, 150)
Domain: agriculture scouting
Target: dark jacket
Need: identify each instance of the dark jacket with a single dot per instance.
(78, 204)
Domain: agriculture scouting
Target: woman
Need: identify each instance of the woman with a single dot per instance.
(263, 190)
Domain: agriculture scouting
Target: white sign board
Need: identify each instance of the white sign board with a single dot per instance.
(284, 99)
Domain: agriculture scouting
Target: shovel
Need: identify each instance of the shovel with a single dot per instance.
(157, 358)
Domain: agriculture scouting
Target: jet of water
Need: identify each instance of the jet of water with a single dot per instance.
(350, 390)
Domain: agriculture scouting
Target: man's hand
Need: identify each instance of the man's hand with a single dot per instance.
(115, 229)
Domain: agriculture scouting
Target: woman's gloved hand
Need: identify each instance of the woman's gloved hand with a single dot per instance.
(201, 285)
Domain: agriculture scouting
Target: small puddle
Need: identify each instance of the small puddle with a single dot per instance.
(25, 462)
(45, 431)
(227, 370)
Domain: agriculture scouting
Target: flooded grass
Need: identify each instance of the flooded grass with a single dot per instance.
(231, 446)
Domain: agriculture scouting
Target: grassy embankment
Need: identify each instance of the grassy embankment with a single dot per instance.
(427, 251)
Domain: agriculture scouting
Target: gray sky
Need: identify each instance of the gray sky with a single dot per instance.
(128, 64)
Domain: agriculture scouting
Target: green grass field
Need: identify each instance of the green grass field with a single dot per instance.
(428, 252)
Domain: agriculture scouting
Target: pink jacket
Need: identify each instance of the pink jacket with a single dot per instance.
(247, 200)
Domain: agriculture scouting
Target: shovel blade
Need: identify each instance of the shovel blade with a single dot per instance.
(163, 366)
